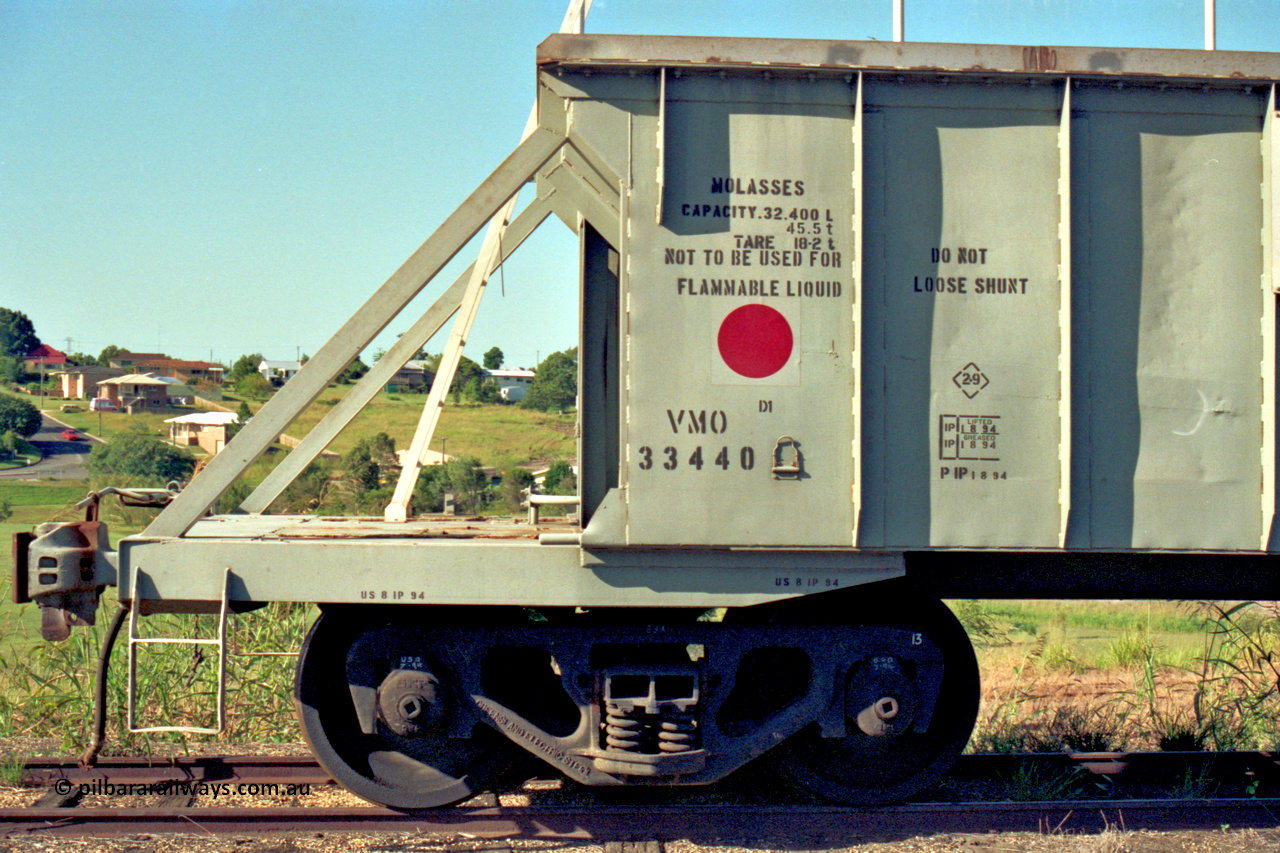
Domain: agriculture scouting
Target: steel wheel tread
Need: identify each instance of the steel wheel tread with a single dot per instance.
(870, 771)
(399, 772)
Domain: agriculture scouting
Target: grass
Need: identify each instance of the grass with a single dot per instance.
(1165, 675)
(46, 688)
(44, 494)
(35, 502)
(1086, 635)
(498, 435)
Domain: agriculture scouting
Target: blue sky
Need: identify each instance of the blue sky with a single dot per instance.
(214, 178)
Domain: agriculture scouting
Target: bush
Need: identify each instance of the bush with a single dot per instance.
(8, 446)
(143, 456)
(462, 477)
(514, 482)
(19, 416)
(559, 480)
(254, 386)
(555, 385)
(307, 491)
(367, 461)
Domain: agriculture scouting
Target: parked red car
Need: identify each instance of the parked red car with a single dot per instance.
(72, 435)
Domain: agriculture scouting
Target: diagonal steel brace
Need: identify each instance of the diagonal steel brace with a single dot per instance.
(332, 358)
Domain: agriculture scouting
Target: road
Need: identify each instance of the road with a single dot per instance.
(63, 460)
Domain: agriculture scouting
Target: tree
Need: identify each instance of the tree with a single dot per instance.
(80, 358)
(11, 370)
(107, 353)
(253, 385)
(244, 366)
(354, 371)
(17, 334)
(559, 479)
(140, 455)
(481, 390)
(19, 416)
(462, 477)
(555, 385)
(243, 414)
(366, 461)
(514, 481)
(493, 359)
(467, 370)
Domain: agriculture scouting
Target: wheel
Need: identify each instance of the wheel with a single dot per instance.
(411, 761)
(883, 758)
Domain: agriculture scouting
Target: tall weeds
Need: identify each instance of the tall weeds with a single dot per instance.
(46, 691)
(1237, 700)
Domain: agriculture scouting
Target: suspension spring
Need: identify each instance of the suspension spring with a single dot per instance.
(623, 728)
(678, 731)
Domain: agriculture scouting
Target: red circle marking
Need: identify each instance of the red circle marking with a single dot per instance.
(755, 341)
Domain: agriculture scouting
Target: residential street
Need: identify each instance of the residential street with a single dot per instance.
(63, 460)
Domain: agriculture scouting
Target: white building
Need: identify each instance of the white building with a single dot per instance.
(205, 429)
(512, 384)
(279, 372)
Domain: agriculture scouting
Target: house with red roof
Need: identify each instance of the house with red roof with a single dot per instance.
(46, 356)
(190, 372)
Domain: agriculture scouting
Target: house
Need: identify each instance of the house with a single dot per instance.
(43, 358)
(512, 384)
(279, 372)
(178, 392)
(190, 372)
(430, 457)
(79, 382)
(414, 375)
(129, 362)
(135, 391)
(207, 430)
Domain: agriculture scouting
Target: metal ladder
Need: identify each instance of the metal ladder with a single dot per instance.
(135, 641)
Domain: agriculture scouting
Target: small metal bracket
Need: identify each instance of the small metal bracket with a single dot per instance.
(789, 469)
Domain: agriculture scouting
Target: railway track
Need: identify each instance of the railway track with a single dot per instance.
(698, 823)
(129, 796)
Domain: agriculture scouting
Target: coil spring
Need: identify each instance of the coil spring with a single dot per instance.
(678, 732)
(623, 729)
(632, 730)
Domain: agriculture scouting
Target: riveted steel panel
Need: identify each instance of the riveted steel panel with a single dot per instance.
(739, 301)
(963, 340)
(1169, 206)
(1047, 326)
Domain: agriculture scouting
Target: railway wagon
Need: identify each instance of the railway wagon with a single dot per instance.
(861, 325)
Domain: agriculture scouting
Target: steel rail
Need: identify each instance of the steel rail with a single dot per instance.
(1146, 767)
(708, 823)
(258, 769)
(693, 821)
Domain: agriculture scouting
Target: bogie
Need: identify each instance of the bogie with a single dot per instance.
(425, 709)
